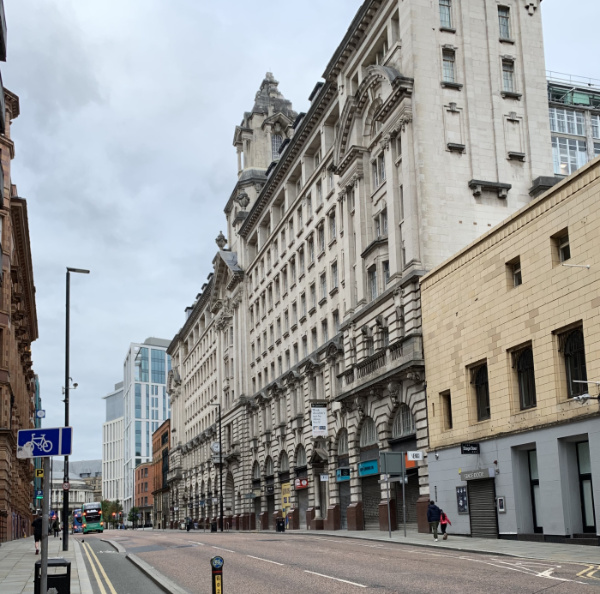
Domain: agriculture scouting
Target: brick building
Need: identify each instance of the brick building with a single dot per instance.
(161, 439)
(143, 500)
(512, 351)
(18, 329)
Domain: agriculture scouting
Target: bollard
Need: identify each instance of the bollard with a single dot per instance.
(216, 564)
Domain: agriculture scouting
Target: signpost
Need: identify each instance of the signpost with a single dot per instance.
(43, 443)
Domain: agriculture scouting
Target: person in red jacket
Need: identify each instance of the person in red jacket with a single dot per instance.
(444, 522)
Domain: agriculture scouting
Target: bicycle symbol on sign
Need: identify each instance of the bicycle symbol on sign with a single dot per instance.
(40, 442)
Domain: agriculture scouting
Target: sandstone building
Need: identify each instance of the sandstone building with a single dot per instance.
(18, 329)
(428, 129)
(511, 334)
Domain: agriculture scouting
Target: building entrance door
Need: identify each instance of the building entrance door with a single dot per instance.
(344, 503)
(482, 506)
(585, 487)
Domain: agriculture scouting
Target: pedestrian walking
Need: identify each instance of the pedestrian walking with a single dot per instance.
(444, 523)
(433, 517)
(55, 527)
(37, 532)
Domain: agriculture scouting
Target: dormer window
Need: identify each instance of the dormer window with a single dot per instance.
(276, 140)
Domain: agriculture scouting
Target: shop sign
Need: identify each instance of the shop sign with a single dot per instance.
(286, 497)
(473, 475)
(318, 415)
(300, 483)
(324, 478)
(342, 474)
(368, 468)
(469, 448)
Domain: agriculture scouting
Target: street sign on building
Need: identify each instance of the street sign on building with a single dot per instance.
(38, 443)
(469, 448)
(39, 473)
(39, 494)
(414, 456)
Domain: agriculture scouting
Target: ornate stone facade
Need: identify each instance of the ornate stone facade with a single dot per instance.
(316, 301)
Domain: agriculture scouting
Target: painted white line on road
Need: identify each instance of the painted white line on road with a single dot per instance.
(261, 559)
(329, 577)
(198, 543)
(371, 546)
(221, 549)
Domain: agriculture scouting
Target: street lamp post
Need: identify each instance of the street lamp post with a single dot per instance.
(66, 388)
(217, 404)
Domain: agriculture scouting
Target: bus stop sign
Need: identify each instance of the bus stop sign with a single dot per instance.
(42, 442)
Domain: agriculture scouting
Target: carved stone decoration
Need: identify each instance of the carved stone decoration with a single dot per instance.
(414, 376)
(242, 199)
(360, 402)
(221, 240)
(346, 407)
(531, 6)
(394, 390)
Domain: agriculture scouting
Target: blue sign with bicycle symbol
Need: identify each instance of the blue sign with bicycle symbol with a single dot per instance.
(39, 443)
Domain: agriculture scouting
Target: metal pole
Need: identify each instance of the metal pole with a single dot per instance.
(45, 508)
(221, 467)
(388, 506)
(404, 491)
(65, 510)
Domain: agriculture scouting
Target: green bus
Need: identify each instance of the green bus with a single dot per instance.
(92, 517)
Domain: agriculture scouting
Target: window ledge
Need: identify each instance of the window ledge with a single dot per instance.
(311, 264)
(264, 353)
(321, 254)
(333, 291)
(312, 310)
(333, 241)
(301, 276)
(323, 301)
(271, 347)
(278, 341)
(448, 29)
(309, 219)
(292, 285)
(269, 271)
(302, 319)
(284, 251)
(291, 243)
(507, 40)
(446, 84)
(512, 95)
(286, 334)
(294, 326)
(319, 207)
(514, 156)
(284, 295)
(455, 147)
(299, 232)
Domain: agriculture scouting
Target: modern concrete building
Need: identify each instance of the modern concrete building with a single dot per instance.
(113, 446)
(512, 338)
(428, 129)
(145, 406)
(161, 440)
(18, 330)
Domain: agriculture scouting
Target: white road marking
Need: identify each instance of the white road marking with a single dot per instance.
(222, 549)
(329, 577)
(197, 543)
(261, 559)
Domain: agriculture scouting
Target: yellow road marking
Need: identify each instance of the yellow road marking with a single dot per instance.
(98, 580)
(108, 582)
(589, 572)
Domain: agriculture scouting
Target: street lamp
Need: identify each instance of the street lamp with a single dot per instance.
(220, 465)
(66, 391)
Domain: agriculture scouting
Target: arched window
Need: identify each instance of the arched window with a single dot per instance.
(276, 140)
(342, 448)
(269, 467)
(300, 456)
(256, 471)
(575, 363)
(404, 423)
(284, 463)
(526, 378)
(368, 433)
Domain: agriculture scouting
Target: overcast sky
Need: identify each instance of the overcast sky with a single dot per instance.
(124, 154)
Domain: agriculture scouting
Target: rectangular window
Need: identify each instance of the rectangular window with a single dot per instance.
(291, 229)
(446, 14)
(284, 279)
(525, 377)
(504, 21)
(479, 380)
(563, 246)
(386, 272)
(295, 353)
(301, 266)
(319, 193)
(299, 215)
(332, 227)
(508, 76)
(572, 347)
(334, 276)
(372, 275)
(321, 237)
(516, 277)
(446, 403)
(448, 66)
(595, 125)
(305, 346)
(325, 331)
(278, 328)
(283, 240)
(294, 313)
(336, 321)
(313, 296)
(286, 321)
(293, 271)
(303, 305)
(568, 155)
(315, 340)
(311, 249)
(323, 285)
(378, 167)
(569, 121)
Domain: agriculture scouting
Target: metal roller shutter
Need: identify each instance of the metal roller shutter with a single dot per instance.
(344, 503)
(302, 507)
(482, 508)
(271, 511)
(371, 497)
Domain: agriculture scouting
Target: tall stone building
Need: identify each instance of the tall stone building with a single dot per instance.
(18, 329)
(429, 127)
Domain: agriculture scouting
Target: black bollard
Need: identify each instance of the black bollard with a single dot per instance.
(216, 564)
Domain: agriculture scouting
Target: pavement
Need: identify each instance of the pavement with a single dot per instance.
(17, 558)
(17, 565)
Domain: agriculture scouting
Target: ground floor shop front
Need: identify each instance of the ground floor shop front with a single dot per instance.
(538, 485)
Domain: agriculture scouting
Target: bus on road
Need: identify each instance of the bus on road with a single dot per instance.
(77, 521)
(92, 517)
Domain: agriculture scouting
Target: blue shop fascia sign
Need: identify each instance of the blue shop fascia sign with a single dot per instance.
(342, 474)
(368, 468)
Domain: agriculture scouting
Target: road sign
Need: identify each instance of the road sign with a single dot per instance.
(39, 494)
(66, 486)
(39, 473)
(39, 443)
(40, 414)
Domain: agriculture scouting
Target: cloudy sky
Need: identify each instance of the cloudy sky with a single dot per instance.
(124, 154)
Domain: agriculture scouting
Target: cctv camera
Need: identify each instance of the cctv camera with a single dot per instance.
(75, 385)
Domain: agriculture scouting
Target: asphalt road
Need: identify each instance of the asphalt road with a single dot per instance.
(110, 572)
(302, 564)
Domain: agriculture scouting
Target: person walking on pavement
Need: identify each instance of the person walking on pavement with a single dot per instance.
(55, 527)
(37, 532)
(444, 523)
(433, 517)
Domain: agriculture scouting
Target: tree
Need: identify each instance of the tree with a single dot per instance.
(133, 515)
(111, 511)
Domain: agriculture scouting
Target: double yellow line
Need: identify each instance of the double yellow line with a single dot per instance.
(93, 560)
